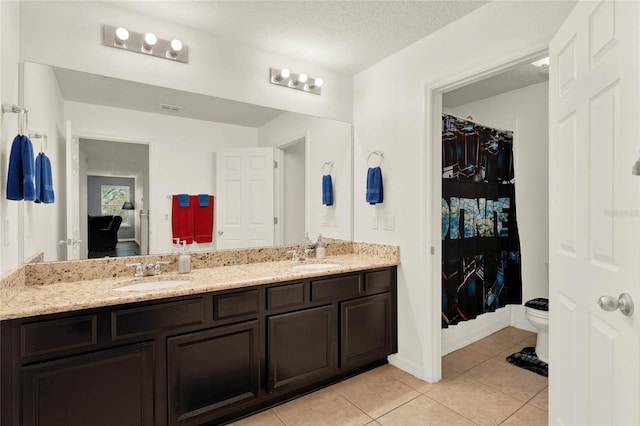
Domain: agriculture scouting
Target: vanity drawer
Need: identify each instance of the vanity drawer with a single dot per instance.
(44, 337)
(148, 319)
(285, 296)
(335, 288)
(237, 304)
(377, 281)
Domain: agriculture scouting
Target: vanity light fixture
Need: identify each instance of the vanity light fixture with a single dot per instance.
(144, 43)
(300, 81)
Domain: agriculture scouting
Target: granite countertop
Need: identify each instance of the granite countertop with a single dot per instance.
(30, 300)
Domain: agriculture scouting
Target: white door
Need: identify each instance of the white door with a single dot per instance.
(73, 196)
(594, 375)
(244, 205)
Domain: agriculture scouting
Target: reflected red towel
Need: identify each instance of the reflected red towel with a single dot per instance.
(182, 219)
(203, 221)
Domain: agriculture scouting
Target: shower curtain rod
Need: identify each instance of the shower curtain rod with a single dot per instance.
(471, 120)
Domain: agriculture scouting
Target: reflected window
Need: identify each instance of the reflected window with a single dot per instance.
(112, 197)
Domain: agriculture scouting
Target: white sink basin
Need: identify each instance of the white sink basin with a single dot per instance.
(152, 285)
(315, 266)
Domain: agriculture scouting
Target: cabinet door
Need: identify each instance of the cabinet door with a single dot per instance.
(301, 347)
(212, 370)
(111, 387)
(366, 330)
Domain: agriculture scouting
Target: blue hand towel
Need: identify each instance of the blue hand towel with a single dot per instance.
(203, 200)
(20, 179)
(374, 185)
(44, 180)
(327, 190)
(183, 200)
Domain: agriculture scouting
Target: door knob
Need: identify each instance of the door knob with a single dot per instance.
(220, 232)
(623, 302)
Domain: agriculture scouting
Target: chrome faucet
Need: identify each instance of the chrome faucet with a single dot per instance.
(142, 268)
(298, 255)
(295, 256)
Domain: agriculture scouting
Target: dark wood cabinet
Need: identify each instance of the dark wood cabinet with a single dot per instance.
(212, 370)
(301, 347)
(111, 387)
(195, 360)
(366, 331)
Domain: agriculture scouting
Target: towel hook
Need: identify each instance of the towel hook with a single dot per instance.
(379, 154)
(327, 163)
(12, 108)
(39, 135)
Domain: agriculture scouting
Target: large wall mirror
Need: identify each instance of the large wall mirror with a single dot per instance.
(158, 142)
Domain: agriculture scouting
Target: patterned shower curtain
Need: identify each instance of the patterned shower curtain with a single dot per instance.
(480, 243)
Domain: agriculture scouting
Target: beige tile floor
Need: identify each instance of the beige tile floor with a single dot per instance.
(479, 387)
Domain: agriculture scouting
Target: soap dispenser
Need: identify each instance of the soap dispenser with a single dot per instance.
(184, 260)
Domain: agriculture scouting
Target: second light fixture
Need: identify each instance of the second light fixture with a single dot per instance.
(284, 77)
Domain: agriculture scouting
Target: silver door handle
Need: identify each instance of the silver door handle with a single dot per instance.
(220, 232)
(623, 302)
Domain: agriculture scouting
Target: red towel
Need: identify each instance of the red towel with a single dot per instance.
(182, 219)
(203, 222)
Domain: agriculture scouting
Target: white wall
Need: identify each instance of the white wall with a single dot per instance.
(69, 35)
(181, 155)
(327, 140)
(10, 226)
(45, 224)
(526, 112)
(390, 115)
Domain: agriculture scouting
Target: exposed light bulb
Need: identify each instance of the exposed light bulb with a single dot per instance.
(302, 78)
(122, 35)
(150, 40)
(176, 45)
(317, 82)
(282, 75)
(174, 48)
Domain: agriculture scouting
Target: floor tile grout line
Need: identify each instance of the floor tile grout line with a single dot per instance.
(352, 403)
(451, 409)
(502, 392)
(401, 405)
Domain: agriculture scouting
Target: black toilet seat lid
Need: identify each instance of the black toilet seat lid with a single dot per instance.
(539, 303)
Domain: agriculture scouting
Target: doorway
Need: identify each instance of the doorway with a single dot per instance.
(126, 165)
(435, 107)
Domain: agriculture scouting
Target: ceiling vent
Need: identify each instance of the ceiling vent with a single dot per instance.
(167, 107)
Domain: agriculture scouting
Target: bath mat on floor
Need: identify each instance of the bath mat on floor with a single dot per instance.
(528, 359)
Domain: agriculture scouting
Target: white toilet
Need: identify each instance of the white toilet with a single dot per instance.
(537, 312)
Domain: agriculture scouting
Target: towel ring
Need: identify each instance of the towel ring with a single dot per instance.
(379, 154)
(327, 163)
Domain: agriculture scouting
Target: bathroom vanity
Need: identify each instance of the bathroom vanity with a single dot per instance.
(206, 353)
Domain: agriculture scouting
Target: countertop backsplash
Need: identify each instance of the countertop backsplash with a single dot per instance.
(42, 273)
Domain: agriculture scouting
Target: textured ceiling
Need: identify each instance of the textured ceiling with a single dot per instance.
(344, 36)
